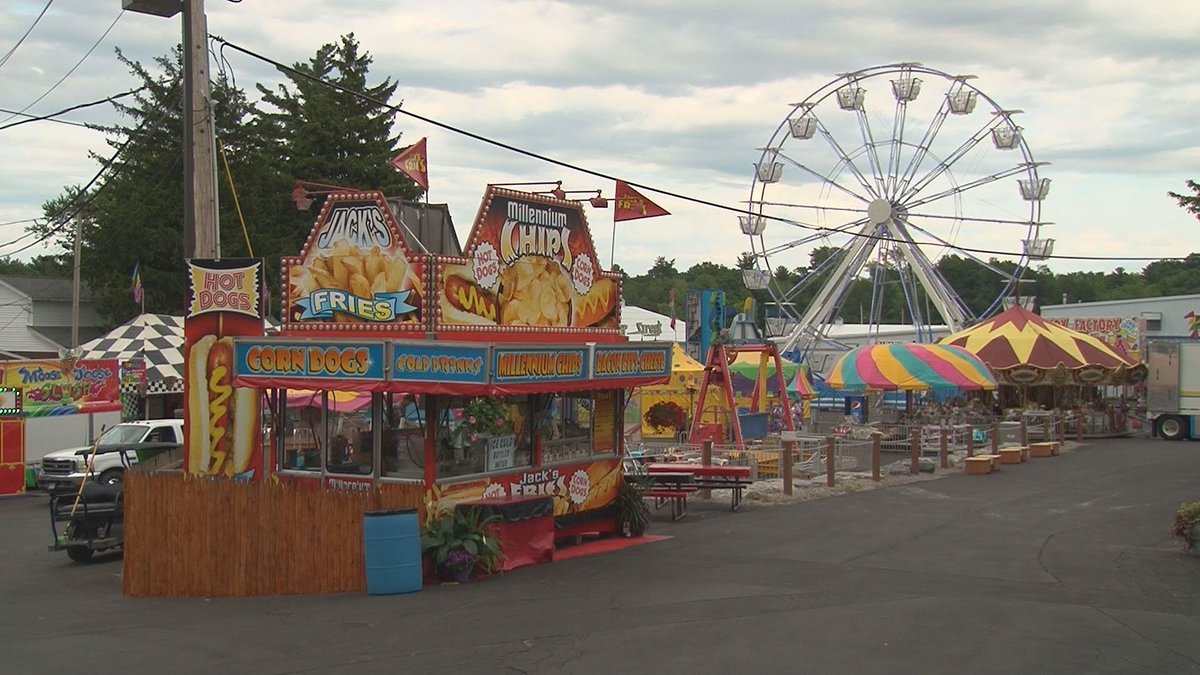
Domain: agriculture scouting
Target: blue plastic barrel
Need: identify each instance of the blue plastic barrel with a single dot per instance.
(392, 547)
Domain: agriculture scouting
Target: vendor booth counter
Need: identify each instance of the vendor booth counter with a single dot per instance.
(494, 380)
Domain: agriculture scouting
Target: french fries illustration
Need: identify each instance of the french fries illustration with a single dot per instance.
(363, 273)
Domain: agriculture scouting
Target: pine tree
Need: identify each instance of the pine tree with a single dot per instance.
(327, 135)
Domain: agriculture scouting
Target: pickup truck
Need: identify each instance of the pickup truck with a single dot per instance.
(117, 449)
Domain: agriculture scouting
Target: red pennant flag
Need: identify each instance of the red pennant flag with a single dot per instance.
(631, 204)
(414, 163)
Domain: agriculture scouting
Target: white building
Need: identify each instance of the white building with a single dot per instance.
(1167, 316)
(35, 317)
(642, 324)
(1127, 324)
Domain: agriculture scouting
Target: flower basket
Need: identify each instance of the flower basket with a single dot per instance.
(666, 415)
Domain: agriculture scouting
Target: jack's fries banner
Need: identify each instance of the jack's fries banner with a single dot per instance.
(222, 424)
(575, 488)
(355, 273)
(529, 266)
(51, 387)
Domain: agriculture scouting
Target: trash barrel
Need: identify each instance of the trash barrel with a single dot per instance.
(392, 547)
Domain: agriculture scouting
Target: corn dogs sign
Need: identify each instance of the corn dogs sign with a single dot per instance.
(355, 272)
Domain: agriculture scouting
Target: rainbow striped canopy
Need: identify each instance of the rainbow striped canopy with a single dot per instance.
(910, 367)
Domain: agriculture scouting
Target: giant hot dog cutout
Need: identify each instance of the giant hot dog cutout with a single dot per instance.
(529, 264)
(221, 441)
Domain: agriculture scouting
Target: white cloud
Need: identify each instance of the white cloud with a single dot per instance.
(676, 95)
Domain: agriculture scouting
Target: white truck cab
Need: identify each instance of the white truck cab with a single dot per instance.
(118, 448)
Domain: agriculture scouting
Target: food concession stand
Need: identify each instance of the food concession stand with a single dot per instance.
(492, 377)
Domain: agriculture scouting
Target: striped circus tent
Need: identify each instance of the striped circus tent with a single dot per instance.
(1023, 348)
(909, 367)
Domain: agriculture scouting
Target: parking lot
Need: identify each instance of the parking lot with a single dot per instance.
(1060, 565)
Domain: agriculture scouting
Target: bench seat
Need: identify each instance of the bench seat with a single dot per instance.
(675, 497)
(1011, 455)
(978, 466)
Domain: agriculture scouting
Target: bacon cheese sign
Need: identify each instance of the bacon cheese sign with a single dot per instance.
(620, 361)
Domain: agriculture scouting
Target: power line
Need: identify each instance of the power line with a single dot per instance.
(9, 53)
(695, 200)
(66, 220)
(78, 106)
(71, 71)
(16, 113)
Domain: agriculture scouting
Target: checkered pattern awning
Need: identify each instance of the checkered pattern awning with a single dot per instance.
(158, 338)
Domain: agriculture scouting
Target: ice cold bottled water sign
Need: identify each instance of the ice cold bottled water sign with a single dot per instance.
(500, 451)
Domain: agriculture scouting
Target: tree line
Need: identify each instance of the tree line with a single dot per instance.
(299, 129)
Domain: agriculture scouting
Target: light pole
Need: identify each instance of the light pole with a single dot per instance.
(200, 237)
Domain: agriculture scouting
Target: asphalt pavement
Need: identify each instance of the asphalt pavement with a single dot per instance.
(1061, 565)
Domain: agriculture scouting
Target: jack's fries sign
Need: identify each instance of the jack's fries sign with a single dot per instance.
(355, 273)
(574, 488)
(529, 266)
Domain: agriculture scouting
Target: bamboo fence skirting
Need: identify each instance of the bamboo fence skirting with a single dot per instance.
(194, 537)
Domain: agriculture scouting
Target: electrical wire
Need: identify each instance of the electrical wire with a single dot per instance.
(597, 174)
(90, 197)
(236, 204)
(9, 53)
(71, 71)
(15, 113)
(79, 106)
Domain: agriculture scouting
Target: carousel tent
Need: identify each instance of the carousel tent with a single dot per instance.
(1022, 348)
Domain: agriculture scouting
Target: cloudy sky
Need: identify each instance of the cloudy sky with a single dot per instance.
(676, 95)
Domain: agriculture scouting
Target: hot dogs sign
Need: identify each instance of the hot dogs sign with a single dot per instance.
(355, 272)
(529, 265)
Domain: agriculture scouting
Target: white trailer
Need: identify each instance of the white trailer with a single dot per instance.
(1173, 388)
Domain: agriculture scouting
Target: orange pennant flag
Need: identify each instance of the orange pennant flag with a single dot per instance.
(631, 204)
(414, 163)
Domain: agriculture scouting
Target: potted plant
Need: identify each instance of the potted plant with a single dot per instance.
(1187, 525)
(467, 531)
(666, 415)
(632, 511)
(461, 564)
(482, 417)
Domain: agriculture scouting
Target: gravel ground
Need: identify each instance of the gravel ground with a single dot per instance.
(770, 491)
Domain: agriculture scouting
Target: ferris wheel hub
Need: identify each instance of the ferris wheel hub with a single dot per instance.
(879, 211)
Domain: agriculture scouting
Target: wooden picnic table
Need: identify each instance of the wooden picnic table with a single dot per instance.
(708, 477)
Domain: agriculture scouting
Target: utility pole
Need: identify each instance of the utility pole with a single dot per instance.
(75, 287)
(199, 166)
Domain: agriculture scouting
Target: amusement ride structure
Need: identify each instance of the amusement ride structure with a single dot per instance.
(895, 167)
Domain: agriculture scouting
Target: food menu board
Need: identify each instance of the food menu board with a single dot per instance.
(529, 265)
(355, 273)
(604, 430)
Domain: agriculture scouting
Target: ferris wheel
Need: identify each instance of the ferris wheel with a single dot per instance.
(869, 183)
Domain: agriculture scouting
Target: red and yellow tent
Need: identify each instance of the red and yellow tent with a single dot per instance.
(1022, 348)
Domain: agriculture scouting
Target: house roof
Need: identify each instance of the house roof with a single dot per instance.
(62, 334)
(427, 226)
(46, 288)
